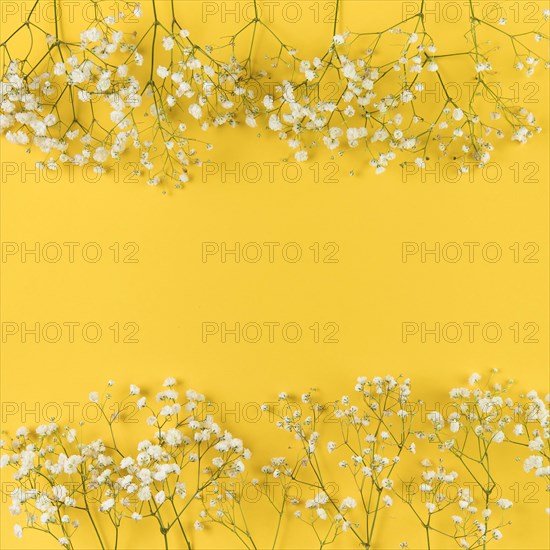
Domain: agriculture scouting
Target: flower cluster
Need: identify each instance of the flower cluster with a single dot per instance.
(114, 90)
(59, 475)
(442, 505)
(373, 432)
(348, 462)
(479, 420)
(493, 417)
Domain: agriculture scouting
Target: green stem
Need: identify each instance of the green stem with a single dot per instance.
(91, 517)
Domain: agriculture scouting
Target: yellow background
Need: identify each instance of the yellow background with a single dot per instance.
(170, 292)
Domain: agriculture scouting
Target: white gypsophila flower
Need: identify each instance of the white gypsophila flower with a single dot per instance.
(163, 72)
(532, 462)
(168, 43)
(195, 111)
(504, 503)
(107, 505)
(458, 114)
(347, 504)
(474, 379)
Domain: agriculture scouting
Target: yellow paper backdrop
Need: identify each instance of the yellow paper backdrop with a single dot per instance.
(369, 292)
